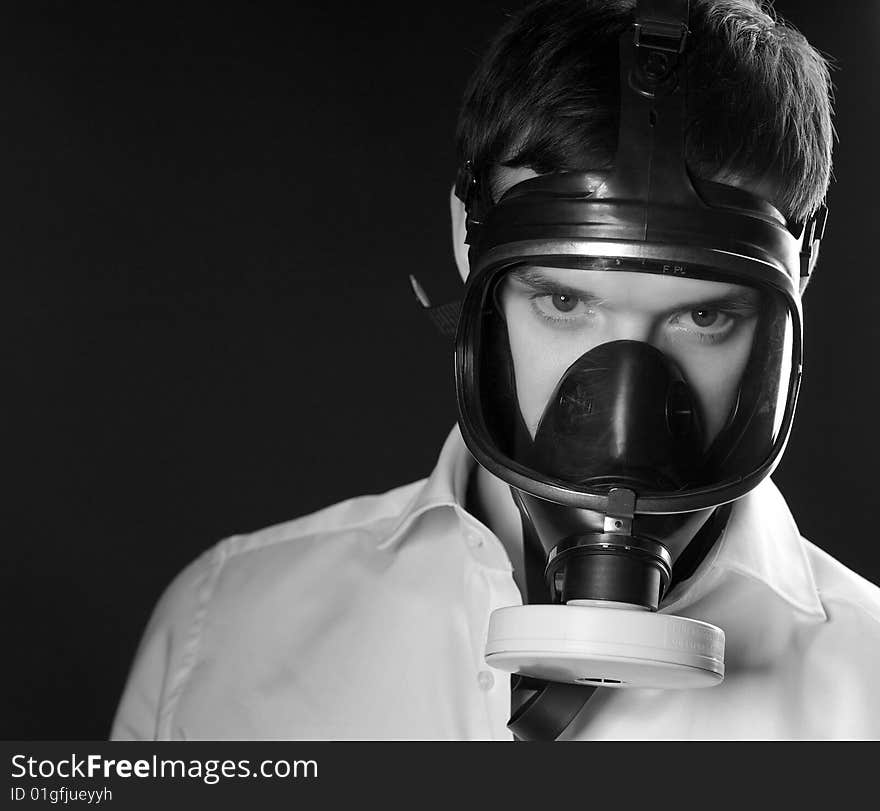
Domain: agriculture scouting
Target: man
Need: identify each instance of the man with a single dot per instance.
(638, 212)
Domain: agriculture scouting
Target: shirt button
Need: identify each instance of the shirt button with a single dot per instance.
(473, 539)
(485, 679)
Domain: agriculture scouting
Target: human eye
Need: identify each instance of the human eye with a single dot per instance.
(561, 307)
(711, 323)
(551, 301)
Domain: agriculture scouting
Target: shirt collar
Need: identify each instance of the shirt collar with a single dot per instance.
(445, 487)
(761, 540)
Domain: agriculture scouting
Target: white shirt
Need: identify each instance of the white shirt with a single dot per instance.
(368, 620)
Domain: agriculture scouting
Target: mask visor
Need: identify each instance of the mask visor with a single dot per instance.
(612, 372)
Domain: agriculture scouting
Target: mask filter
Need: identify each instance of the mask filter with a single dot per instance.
(591, 617)
(605, 647)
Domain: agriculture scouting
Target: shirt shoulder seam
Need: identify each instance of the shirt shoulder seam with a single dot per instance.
(213, 564)
(244, 543)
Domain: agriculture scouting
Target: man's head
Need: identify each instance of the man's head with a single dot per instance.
(546, 97)
(687, 249)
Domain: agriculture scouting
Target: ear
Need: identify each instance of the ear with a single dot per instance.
(459, 233)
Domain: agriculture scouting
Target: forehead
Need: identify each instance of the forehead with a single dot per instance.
(647, 292)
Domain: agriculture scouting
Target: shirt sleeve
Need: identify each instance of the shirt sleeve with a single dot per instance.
(164, 657)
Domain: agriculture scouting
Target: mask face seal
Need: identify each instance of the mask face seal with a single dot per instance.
(598, 372)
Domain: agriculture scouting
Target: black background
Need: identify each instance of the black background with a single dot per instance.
(208, 218)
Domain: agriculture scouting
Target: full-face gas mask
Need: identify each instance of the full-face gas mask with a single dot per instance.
(628, 357)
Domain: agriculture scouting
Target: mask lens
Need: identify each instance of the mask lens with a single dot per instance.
(607, 375)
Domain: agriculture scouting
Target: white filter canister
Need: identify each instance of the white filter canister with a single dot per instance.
(607, 647)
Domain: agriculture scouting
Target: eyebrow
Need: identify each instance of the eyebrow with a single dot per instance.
(538, 280)
(745, 300)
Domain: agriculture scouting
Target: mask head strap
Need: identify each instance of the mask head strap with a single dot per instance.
(472, 190)
(650, 160)
(813, 231)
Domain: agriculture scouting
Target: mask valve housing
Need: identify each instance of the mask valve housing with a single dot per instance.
(611, 568)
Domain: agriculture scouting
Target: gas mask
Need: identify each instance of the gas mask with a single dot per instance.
(628, 357)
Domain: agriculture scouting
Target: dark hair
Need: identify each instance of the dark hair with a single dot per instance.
(546, 95)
